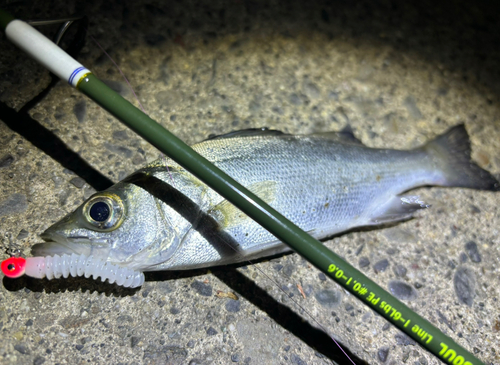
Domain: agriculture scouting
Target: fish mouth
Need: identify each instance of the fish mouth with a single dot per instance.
(75, 256)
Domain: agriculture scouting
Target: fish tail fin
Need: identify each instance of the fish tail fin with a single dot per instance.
(453, 151)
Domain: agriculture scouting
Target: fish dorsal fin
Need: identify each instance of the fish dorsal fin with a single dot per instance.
(251, 132)
(227, 215)
(346, 135)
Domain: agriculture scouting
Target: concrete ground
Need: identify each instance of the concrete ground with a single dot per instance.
(398, 75)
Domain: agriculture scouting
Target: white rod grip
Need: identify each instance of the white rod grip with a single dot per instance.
(45, 51)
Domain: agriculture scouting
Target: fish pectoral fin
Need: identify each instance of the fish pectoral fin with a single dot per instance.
(227, 215)
(397, 208)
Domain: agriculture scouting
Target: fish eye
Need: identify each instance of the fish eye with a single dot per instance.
(99, 211)
(104, 211)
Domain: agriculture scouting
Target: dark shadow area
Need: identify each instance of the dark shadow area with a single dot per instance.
(42, 138)
(278, 312)
(22, 123)
(284, 316)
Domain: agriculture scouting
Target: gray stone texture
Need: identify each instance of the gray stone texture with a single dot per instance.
(396, 73)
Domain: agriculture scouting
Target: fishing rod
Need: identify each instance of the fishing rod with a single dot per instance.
(65, 67)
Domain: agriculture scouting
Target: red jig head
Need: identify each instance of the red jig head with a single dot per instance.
(14, 267)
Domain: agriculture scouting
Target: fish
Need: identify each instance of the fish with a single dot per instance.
(163, 218)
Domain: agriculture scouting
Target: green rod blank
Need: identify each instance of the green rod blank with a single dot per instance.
(331, 264)
(314, 251)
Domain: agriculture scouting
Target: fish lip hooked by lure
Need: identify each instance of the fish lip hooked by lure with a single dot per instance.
(158, 220)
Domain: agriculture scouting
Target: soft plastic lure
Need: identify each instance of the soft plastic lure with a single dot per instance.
(54, 267)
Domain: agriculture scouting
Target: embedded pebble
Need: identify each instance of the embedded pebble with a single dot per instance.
(329, 298)
(411, 106)
(277, 110)
(295, 99)
(120, 135)
(125, 318)
(404, 340)
(254, 106)
(277, 267)
(202, 288)
(80, 110)
(398, 235)
(473, 251)
(138, 159)
(383, 354)
(381, 265)
(311, 90)
(57, 180)
(211, 331)
(168, 97)
(288, 269)
(465, 283)
(363, 261)
(233, 306)
(6, 161)
(359, 249)
(22, 234)
(402, 290)
(235, 358)
(124, 151)
(473, 208)
(322, 276)
(296, 360)
(349, 307)
(39, 360)
(462, 258)
(78, 182)
(88, 191)
(16, 203)
(134, 341)
(444, 319)
(422, 360)
(22, 348)
(400, 270)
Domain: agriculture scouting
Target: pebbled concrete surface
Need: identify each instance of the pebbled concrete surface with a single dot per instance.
(397, 74)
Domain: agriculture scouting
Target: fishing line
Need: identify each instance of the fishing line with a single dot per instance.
(298, 304)
(225, 242)
(361, 286)
(133, 92)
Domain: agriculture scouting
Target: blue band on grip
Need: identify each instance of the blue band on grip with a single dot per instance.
(74, 73)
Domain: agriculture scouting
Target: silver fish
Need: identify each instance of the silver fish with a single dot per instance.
(162, 220)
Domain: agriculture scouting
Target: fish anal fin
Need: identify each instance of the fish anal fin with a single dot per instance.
(398, 208)
(227, 215)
